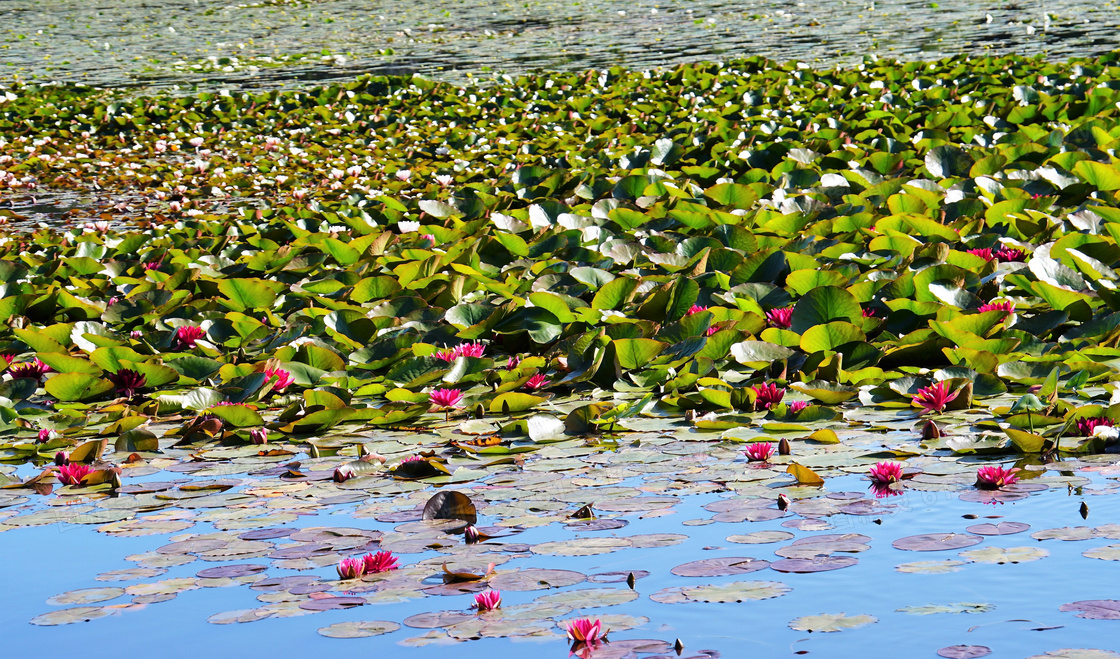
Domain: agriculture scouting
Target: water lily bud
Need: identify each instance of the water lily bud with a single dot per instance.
(61, 459)
(1084, 510)
(678, 646)
(312, 451)
(470, 534)
(258, 435)
(783, 502)
(930, 430)
(783, 447)
(479, 411)
(630, 580)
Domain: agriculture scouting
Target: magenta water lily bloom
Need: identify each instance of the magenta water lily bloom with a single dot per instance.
(798, 405)
(127, 382)
(694, 309)
(34, 370)
(73, 473)
(586, 630)
(934, 398)
(283, 378)
(382, 561)
(759, 451)
(768, 395)
(1006, 306)
(886, 472)
(445, 398)
(538, 381)
(1007, 254)
(512, 362)
(487, 600)
(188, 335)
(351, 568)
(780, 318)
(994, 477)
(258, 435)
(1086, 426)
(983, 252)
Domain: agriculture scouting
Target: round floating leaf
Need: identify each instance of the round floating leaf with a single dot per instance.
(959, 607)
(931, 567)
(823, 305)
(86, 596)
(760, 537)
(1003, 528)
(964, 651)
(1094, 609)
(831, 622)
(737, 591)
(1076, 653)
(70, 616)
(720, 567)
(450, 504)
(360, 629)
(937, 541)
(1000, 555)
(535, 579)
(818, 564)
(1107, 553)
(76, 386)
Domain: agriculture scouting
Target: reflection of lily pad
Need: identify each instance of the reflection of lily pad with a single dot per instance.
(360, 629)
(817, 564)
(831, 622)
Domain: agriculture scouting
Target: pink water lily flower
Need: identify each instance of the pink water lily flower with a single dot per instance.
(870, 312)
(127, 382)
(538, 381)
(780, 318)
(695, 309)
(994, 477)
(283, 378)
(445, 398)
(886, 472)
(258, 435)
(47, 435)
(586, 630)
(798, 405)
(935, 397)
(351, 568)
(382, 561)
(73, 473)
(1086, 426)
(188, 335)
(512, 362)
(768, 395)
(487, 600)
(1006, 254)
(447, 354)
(34, 370)
(759, 451)
(983, 252)
(1006, 306)
(470, 349)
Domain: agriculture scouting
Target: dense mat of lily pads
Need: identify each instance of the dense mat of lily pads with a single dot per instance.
(366, 293)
